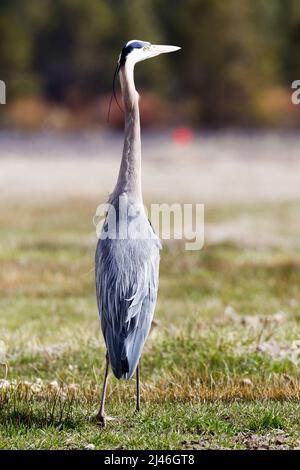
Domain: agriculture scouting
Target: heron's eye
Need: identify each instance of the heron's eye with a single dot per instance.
(146, 48)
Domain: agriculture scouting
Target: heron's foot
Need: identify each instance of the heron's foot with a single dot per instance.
(102, 418)
(111, 418)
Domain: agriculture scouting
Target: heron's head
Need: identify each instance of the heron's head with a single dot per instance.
(136, 51)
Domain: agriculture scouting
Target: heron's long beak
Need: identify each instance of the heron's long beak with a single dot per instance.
(157, 49)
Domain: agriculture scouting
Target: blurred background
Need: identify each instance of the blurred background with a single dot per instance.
(217, 115)
(236, 67)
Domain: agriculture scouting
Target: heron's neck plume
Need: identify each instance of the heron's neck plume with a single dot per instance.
(129, 179)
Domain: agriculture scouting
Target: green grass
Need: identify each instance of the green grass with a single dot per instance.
(219, 370)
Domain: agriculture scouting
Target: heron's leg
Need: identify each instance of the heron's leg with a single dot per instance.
(101, 414)
(138, 388)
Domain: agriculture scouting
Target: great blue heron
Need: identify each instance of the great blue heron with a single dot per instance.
(127, 264)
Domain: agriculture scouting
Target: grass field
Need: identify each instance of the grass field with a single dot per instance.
(220, 368)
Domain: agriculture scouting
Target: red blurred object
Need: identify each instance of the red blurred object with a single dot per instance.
(182, 136)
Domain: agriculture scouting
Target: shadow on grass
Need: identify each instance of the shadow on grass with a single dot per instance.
(34, 420)
(33, 417)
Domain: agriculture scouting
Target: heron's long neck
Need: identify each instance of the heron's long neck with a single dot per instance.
(129, 179)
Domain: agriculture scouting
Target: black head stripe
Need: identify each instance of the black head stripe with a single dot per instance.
(127, 49)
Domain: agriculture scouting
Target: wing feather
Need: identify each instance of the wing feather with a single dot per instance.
(126, 287)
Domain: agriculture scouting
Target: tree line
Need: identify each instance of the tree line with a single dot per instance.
(237, 63)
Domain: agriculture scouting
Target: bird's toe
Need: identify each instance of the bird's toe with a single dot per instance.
(101, 420)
